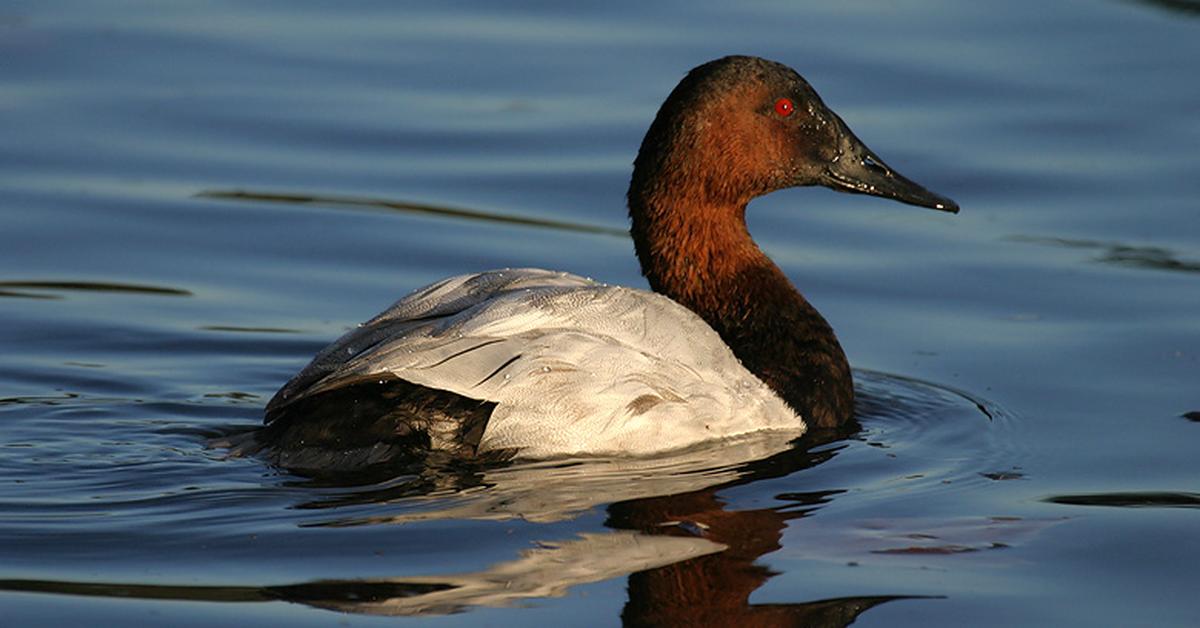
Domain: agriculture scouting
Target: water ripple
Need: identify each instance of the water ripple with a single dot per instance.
(412, 208)
(16, 288)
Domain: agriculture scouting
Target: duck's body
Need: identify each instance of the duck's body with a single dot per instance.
(572, 366)
(540, 363)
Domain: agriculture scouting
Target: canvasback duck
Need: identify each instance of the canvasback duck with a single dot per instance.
(535, 363)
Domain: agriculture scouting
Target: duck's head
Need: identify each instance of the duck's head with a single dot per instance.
(739, 127)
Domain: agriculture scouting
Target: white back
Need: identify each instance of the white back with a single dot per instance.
(575, 367)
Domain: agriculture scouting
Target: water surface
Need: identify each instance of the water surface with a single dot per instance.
(195, 199)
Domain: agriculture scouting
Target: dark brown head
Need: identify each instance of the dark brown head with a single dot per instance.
(739, 127)
(734, 129)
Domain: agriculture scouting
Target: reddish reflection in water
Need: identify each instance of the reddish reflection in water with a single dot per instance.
(714, 590)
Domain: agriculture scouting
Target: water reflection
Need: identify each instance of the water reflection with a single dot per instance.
(549, 570)
(411, 208)
(714, 590)
(690, 560)
(384, 597)
(249, 330)
(38, 289)
(1139, 499)
(688, 553)
(1182, 7)
(39, 400)
(1149, 257)
(556, 490)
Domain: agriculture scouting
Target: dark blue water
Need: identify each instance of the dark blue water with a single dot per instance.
(195, 198)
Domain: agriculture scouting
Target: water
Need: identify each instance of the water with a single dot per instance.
(194, 199)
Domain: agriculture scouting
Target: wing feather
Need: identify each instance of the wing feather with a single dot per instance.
(573, 366)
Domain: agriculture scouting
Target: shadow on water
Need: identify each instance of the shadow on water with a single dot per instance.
(40, 400)
(1180, 7)
(236, 329)
(411, 208)
(1139, 499)
(1147, 257)
(38, 289)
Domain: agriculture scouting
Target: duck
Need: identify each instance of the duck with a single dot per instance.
(532, 363)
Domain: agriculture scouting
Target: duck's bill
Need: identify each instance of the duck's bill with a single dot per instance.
(861, 171)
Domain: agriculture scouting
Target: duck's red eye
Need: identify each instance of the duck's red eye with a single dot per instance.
(784, 107)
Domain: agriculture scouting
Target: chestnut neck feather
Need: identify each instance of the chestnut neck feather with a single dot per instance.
(697, 251)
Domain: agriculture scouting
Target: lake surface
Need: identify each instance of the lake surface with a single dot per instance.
(197, 197)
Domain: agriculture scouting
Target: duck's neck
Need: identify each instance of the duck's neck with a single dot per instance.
(702, 257)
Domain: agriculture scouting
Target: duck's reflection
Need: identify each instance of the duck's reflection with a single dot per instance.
(714, 590)
(690, 562)
(552, 490)
(689, 559)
